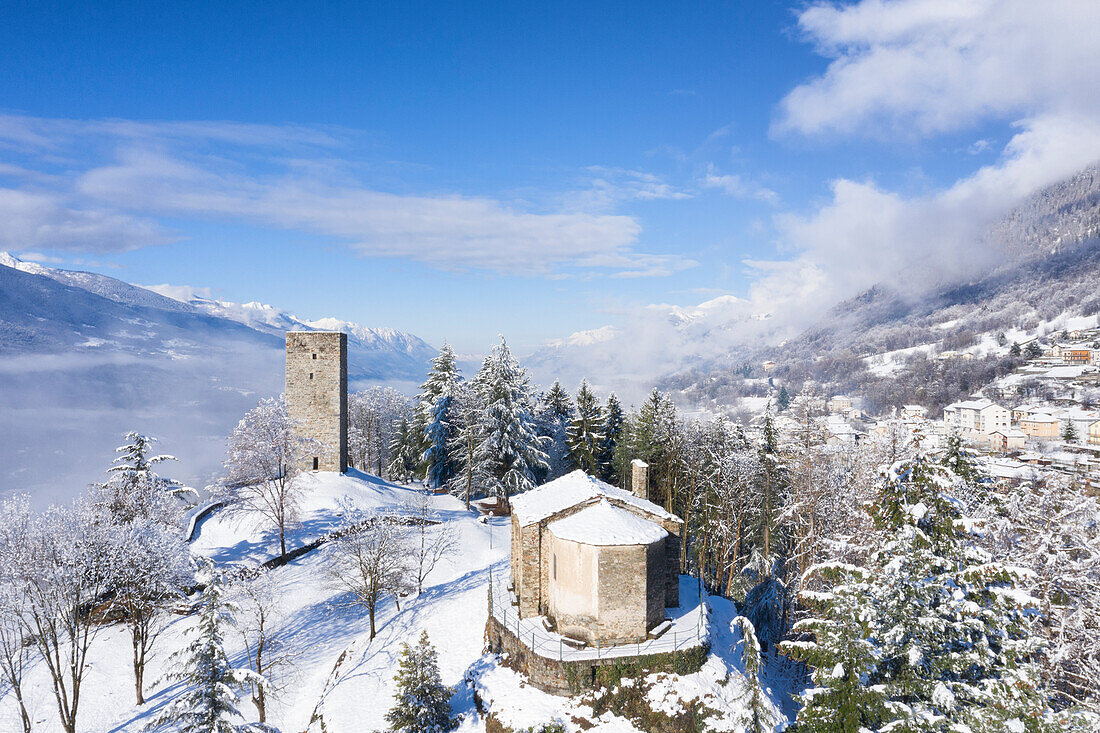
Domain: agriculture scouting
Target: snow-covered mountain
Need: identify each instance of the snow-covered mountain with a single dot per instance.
(86, 357)
(1047, 277)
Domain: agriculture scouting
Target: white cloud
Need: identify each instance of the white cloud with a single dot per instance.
(934, 66)
(736, 186)
(193, 170)
(50, 220)
(908, 67)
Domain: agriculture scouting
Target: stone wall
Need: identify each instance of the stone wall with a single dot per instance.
(531, 558)
(571, 677)
(623, 593)
(317, 393)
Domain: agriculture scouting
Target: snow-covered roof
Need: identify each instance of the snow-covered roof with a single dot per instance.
(572, 489)
(604, 524)
(981, 404)
(1039, 417)
(1065, 372)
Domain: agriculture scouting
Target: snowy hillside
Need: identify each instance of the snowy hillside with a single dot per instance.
(341, 680)
(1050, 264)
(86, 357)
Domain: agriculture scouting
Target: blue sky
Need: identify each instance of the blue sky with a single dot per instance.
(462, 169)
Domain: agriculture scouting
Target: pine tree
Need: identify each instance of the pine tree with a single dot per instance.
(423, 701)
(584, 435)
(510, 452)
(135, 490)
(404, 452)
(759, 716)
(1069, 432)
(840, 651)
(612, 432)
(208, 704)
(783, 400)
(928, 635)
(768, 502)
(1015, 349)
(953, 646)
(432, 418)
(554, 414)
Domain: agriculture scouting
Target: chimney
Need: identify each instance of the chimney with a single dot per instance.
(639, 478)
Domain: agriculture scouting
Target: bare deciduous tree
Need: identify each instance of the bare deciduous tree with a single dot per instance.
(370, 559)
(269, 650)
(15, 526)
(431, 539)
(266, 457)
(153, 564)
(66, 573)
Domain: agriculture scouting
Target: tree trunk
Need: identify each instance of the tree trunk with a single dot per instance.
(282, 540)
(372, 630)
(260, 703)
(139, 659)
(23, 715)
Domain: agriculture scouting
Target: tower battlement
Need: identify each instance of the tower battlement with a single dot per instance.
(317, 393)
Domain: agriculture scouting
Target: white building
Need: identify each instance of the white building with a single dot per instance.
(973, 418)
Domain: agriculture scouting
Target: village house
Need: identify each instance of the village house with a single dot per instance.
(1077, 355)
(1005, 440)
(839, 403)
(1094, 433)
(1040, 426)
(599, 563)
(911, 412)
(972, 418)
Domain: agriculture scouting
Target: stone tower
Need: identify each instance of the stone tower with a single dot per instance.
(317, 393)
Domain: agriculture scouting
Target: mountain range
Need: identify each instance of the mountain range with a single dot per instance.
(86, 357)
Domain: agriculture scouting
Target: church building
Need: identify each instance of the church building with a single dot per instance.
(600, 563)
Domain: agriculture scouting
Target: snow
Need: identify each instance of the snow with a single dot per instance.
(338, 668)
(572, 489)
(603, 524)
(720, 686)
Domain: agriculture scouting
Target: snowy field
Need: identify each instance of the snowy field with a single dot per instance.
(341, 676)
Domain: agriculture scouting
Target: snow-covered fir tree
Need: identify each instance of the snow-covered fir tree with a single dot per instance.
(584, 435)
(758, 713)
(404, 450)
(134, 489)
(835, 640)
(423, 702)
(510, 452)
(554, 413)
(768, 502)
(208, 703)
(948, 623)
(612, 431)
(466, 421)
(432, 418)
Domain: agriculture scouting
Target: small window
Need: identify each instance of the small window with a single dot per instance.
(314, 356)
(554, 566)
(311, 375)
(316, 463)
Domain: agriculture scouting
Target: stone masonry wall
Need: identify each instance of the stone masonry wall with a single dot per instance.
(533, 578)
(571, 677)
(317, 393)
(624, 596)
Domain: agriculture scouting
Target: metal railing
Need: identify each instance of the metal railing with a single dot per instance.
(685, 632)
